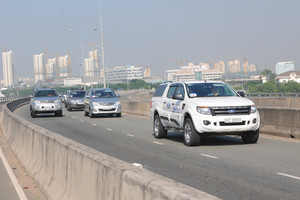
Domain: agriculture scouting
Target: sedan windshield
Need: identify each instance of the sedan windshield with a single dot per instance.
(209, 90)
(77, 93)
(103, 94)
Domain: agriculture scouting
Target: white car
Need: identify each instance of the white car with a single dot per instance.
(203, 108)
(102, 101)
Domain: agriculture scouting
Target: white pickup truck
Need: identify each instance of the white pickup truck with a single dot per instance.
(202, 109)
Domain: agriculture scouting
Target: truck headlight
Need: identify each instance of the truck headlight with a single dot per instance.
(36, 102)
(57, 101)
(203, 110)
(253, 109)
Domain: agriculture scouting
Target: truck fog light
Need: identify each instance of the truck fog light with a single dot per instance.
(254, 121)
(206, 122)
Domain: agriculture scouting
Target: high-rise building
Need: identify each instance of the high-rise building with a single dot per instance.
(147, 72)
(92, 64)
(234, 66)
(63, 66)
(8, 69)
(282, 67)
(50, 68)
(38, 64)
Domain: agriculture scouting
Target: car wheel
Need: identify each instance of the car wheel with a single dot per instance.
(159, 131)
(250, 137)
(118, 115)
(91, 114)
(33, 114)
(190, 135)
(86, 113)
(69, 108)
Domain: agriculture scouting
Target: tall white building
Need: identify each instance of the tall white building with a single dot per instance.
(8, 69)
(63, 66)
(50, 68)
(38, 64)
(92, 64)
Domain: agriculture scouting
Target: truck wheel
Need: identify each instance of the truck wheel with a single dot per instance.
(191, 137)
(86, 113)
(118, 114)
(159, 131)
(250, 137)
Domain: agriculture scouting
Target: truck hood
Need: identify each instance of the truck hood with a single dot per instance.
(221, 101)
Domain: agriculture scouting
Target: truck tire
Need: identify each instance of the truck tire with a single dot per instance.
(250, 137)
(190, 135)
(159, 131)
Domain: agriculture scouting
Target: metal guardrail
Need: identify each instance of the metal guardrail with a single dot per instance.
(7, 99)
(273, 95)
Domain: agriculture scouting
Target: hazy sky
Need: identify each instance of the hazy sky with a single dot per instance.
(154, 32)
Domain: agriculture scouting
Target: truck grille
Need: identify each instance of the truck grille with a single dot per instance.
(232, 110)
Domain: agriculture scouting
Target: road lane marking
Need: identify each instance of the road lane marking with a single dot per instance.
(290, 176)
(73, 117)
(209, 156)
(109, 129)
(13, 179)
(94, 124)
(158, 143)
(130, 135)
(82, 120)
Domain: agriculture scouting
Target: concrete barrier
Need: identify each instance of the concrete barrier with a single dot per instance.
(136, 107)
(67, 170)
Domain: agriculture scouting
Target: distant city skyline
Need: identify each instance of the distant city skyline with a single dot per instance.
(155, 33)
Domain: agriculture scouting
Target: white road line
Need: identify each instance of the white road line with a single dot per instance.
(209, 156)
(130, 135)
(109, 129)
(290, 176)
(13, 179)
(82, 120)
(158, 143)
(73, 117)
(94, 124)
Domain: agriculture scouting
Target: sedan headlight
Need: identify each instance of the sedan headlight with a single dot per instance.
(36, 101)
(117, 103)
(253, 109)
(203, 110)
(95, 104)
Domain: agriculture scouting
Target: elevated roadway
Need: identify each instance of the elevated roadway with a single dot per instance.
(223, 166)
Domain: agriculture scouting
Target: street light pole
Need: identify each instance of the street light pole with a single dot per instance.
(82, 51)
(102, 47)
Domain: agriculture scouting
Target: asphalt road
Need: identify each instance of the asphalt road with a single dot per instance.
(222, 166)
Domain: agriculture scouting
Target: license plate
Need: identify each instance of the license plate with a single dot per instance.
(232, 120)
(107, 108)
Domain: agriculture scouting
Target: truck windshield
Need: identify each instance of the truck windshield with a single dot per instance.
(209, 90)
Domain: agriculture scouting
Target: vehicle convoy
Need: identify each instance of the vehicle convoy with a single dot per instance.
(45, 101)
(74, 100)
(202, 109)
(101, 101)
